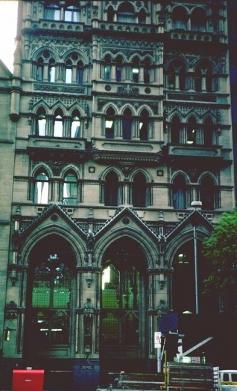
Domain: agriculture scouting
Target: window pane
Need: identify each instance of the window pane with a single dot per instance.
(68, 16)
(127, 128)
(109, 128)
(52, 12)
(58, 127)
(143, 127)
(126, 18)
(41, 294)
(79, 75)
(41, 192)
(107, 72)
(135, 74)
(76, 128)
(146, 75)
(52, 73)
(71, 14)
(118, 73)
(70, 191)
(111, 187)
(68, 75)
(42, 126)
(39, 73)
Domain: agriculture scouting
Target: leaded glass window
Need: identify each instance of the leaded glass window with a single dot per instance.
(50, 301)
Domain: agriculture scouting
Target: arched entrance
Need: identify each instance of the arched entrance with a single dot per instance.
(123, 306)
(49, 299)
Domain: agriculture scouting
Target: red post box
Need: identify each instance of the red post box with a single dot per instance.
(27, 380)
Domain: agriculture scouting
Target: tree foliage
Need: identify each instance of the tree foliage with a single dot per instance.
(220, 250)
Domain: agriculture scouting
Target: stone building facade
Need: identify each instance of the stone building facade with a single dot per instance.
(115, 119)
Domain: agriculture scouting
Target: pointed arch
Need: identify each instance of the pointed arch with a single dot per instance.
(111, 189)
(41, 187)
(70, 188)
(127, 121)
(58, 123)
(144, 125)
(125, 13)
(179, 192)
(139, 190)
(110, 123)
(110, 14)
(198, 19)
(191, 130)
(180, 18)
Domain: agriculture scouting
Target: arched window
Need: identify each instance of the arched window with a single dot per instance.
(191, 131)
(68, 74)
(198, 20)
(144, 126)
(135, 70)
(171, 77)
(41, 192)
(126, 13)
(175, 130)
(79, 72)
(111, 188)
(110, 14)
(142, 16)
(119, 68)
(179, 192)
(180, 18)
(147, 71)
(52, 11)
(139, 190)
(107, 68)
(208, 132)
(41, 122)
(109, 123)
(75, 126)
(51, 71)
(58, 125)
(176, 77)
(127, 124)
(72, 14)
(51, 273)
(40, 69)
(70, 191)
(207, 193)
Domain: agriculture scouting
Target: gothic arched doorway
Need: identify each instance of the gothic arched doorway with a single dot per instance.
(123, 306)
(49, 299)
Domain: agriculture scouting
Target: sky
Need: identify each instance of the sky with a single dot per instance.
(8, 24)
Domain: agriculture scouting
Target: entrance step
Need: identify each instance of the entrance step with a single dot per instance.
(136, 381)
